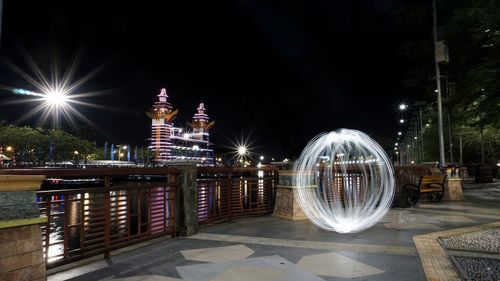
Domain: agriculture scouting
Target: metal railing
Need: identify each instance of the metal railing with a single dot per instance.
(115, 212)
(227, 193)
(112, 208)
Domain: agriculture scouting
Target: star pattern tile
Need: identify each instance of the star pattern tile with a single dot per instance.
(147, 278)
(218, 254)
(336, 265)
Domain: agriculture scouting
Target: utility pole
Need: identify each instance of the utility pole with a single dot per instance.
(1, 16)
(420, 143)
(438, 90)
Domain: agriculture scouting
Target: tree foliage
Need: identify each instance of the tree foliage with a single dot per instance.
(38, 146)
(471, 30)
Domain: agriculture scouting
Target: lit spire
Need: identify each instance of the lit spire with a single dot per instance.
(162, 97)
(200, 119)
(201, 116)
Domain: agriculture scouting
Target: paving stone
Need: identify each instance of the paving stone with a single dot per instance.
(483, 241)
(335, 265)
(277, 267)
(147, 278)
(218, 254)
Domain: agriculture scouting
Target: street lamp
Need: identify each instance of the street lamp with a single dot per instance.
(120, 153)
(12, 152)
(438, 86)
(403, 106)
(76, 156)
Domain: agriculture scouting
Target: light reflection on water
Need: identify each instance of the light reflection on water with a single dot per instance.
(246, 193)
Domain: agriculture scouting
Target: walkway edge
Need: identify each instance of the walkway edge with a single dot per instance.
(318, 245)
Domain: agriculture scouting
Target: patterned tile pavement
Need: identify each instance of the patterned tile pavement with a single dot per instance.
(403, 246)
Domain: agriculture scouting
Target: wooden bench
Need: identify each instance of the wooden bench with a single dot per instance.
(432, 186)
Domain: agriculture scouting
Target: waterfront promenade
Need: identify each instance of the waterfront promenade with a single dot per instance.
(408, 244)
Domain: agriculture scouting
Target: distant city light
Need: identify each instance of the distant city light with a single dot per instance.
(242, 150)
(261, 158)
(402, 106)
(401, 121)
(399, 133)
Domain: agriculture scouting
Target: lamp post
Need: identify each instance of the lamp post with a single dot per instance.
(120, 153)
(417, 135)
(76, 153)
(438, 89)
(13, 154)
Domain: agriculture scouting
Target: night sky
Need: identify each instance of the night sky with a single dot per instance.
(277, 74)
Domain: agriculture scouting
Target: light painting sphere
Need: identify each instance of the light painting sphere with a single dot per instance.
(344, 181)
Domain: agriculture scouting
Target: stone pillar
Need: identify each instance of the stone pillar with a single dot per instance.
(286, 206)
(453, 189)
(187, 212)
(21, 252)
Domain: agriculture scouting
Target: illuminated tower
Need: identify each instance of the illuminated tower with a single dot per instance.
(201, 125)
(161, 127)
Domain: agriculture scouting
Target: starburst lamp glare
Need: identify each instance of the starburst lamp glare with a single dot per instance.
(56, 98)
(242, 151)
(344, 181)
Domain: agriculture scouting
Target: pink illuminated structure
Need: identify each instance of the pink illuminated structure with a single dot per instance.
(173, 144)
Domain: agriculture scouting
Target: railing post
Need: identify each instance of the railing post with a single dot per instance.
(188, 217)
(230, 194)
(286, 206)
(47, 228)
(107, 216)
(66, 228)
(173, 180)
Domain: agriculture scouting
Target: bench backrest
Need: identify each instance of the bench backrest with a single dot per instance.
(425, 180)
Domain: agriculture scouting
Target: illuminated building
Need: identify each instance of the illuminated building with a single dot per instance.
(173, 144)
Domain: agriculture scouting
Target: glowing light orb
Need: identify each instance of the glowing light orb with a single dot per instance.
(344, 181)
